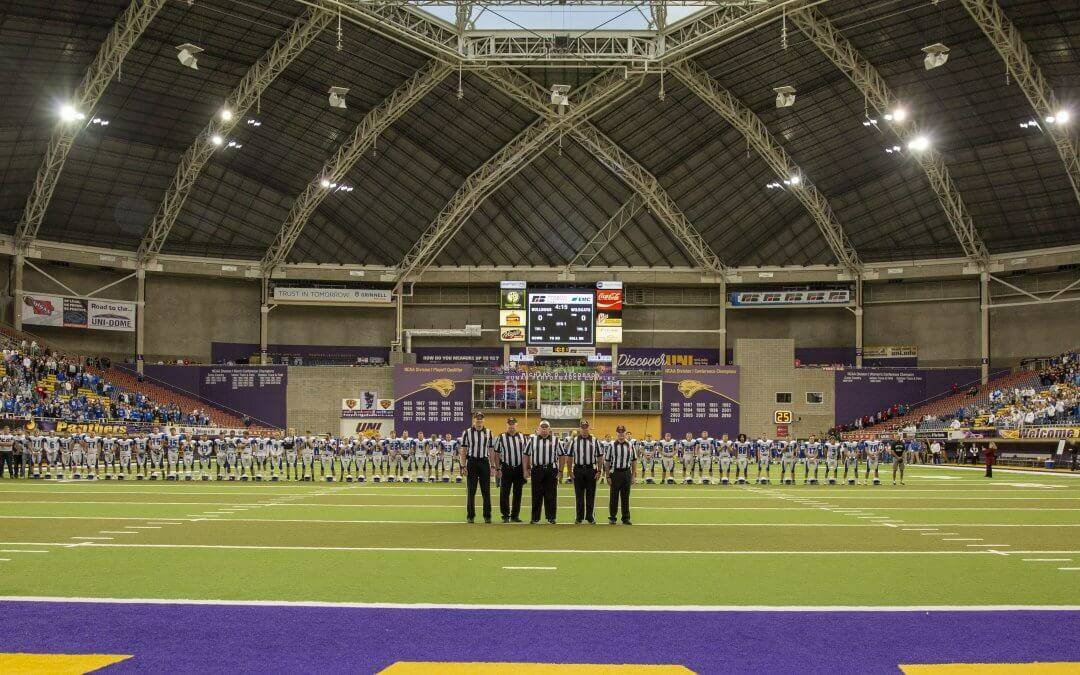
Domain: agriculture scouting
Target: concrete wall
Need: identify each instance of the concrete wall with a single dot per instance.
(315, 393)
(765, 369)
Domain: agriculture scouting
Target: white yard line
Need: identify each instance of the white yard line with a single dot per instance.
(94, 538)
(1047, 559)
(22, 550)
(511, 567)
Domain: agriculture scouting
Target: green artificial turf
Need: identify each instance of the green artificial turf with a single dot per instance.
(690, 545)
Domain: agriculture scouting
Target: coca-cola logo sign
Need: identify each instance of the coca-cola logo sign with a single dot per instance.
(609, 300)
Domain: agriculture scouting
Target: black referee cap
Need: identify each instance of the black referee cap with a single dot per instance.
(620, 429)
(511, 420)
(478, 415)
(584, 424)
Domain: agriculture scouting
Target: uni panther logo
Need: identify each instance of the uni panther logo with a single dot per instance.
(444, 386)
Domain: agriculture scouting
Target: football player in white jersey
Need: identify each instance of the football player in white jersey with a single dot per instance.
(813, 460)
(686, 455)
(434, 460)
(91, 452)
(668, 450)
(724, 448)
(108, 451)
(645, 450)
(418, 460)
(851, 463)
(307, 457)
(764, 459)
(162, 446)
(832, 458)
(125, 446)
(703, 458)
(246, 447)
(204, 448)
(873, 458)
(37, 455)
(291, 444)
(75, 459)
(51, 443)
(787, 462)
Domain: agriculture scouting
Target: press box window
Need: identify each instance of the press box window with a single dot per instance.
(783, 397)
(815, 397)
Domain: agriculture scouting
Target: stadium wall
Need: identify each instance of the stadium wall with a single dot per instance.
(186, 313)
(766, 368)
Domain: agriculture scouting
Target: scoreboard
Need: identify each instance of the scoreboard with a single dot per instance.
(562, 317)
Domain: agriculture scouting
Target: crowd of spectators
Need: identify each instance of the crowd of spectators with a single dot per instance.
(896, 410)
(76, 393)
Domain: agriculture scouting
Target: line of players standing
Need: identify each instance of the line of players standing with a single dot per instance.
(712, 459)
(404, 458)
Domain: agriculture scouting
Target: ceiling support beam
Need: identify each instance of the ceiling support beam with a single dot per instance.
(526, 91)
(348, 154)
(743, 119)
(591, 250)
(869, 82)
(123, 36)
(294, 41)
(503, 165)
(1026, 72)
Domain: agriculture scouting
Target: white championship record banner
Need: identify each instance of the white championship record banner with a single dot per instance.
(110, 315)
(345, 296)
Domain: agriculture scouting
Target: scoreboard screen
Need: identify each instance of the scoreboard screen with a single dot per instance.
(562, 317)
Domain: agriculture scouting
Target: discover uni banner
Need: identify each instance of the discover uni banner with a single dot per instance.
(700, 398)
(434, 399)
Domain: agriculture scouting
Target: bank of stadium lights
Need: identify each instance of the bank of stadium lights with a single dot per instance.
(328, 184)
(252, 122)
(187, 55)
(1061, 117)
(220, 141)
(919, 144)
(893, 149)
(896, 115)
(225, 114)
(793, 181)
(69, 113)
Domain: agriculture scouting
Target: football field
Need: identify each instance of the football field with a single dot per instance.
(950, 546)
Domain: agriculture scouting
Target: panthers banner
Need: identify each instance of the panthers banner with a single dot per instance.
(434, 399)
(700, 398)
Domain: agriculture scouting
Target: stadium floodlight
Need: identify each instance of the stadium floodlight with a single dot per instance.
(254, 122)
(1030, 124)
(919, 144)
(773, 185)
(936, 55)
(337, 97)
(891, 150)
(1062, 117)
(560, 94)
(324, 183)
(896, 115)
(216, 139)
(785, 96)
(795, 179)
(187, 55)
(69, 113)
(870, 122)
(100, 121)
(226, 114)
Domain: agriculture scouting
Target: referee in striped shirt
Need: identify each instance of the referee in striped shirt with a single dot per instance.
(583, 452)
(622, 471)
(510, 447)
(541, 464)
(476, 454)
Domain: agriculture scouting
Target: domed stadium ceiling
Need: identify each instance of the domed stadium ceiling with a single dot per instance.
(672, 150)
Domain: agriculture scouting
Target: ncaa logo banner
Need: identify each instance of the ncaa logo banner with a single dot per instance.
(109, 315)
(42, 310)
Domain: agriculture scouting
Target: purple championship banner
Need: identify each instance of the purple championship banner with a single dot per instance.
(256, 391)
(434, 399)
(700, 398)
(866, 391)
(201, 638)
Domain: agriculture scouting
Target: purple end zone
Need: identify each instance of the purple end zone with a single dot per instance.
(218, 638)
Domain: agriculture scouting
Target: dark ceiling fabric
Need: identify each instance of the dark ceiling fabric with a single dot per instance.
(1011, 179)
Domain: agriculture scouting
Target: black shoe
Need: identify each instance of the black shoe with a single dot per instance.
(611, 521)
(515, 520)
(533, 522)
(488, 520)
(506, 519)
(578, 521)
(590, 521)
(627, 522)
(471, 520)
(551, 521)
